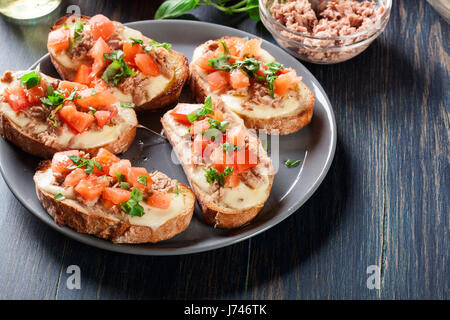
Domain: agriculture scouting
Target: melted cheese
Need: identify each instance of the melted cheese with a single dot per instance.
(155, 217)
(96, 138)
(46, 182)
(240, 197)
(289, 106)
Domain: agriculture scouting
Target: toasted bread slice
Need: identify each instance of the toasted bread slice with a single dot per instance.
(280, 114)
(31, 129)
(227, 206)
(146, 92)
(100, 219)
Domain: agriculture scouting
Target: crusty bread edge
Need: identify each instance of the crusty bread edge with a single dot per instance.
(102, 226)
(215, 215)
(165, 98)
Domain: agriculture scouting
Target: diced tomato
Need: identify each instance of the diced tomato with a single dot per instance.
(35, 93)
(61, 161)
(236, 135)
(133, 175)
(59, 39)
(199, 144)
(130, 51)
(234, 45)
(147, 65)
(16, 97)
(116, 195)
(233, 180)
(82, 75)
(160, 200)
(68, 86)
(106, 159)
(97, 51)
(78, 121)
(101, 27)
(239, 160)
(121, 167)
(285, 82)
(238, 79)
(104, 115)
(75, 177)
(180, 112)
(218, 115)
(199, 126)
(97, 100)
(251, 48)
(218, 80)
(97, 83)
(91, 188)
(203, 61)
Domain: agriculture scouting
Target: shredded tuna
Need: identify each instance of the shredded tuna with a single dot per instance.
(161, 57)
(136, 85)
(162, 183)
(81, 48)
(327, 19)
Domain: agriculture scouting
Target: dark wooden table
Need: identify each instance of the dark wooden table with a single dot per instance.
(383, 205)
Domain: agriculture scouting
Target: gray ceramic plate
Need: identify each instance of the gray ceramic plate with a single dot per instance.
(315, 145)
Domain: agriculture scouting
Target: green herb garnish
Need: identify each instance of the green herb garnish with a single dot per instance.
(229, 147)
(212, 175)
(132, 206)
(292, 163)
(201, 112)
(92, 110)
(120, 177)
(154, 44)
(142, 179)
(118, 69)
(271, 75)
(125, 185)
(136, 41)
(59, 197)
(56, 99)
(31, 79)
(83, 162)
(77, 31)
(127, 105)
(177, 191)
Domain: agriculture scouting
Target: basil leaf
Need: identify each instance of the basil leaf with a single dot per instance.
(292, 163)
(213, 175)
(31, 79)
(125, 185)
(142, 179)
(175, 8)
(120, 177)
(127, 105)
(252, 8)
(118, 69)
(136, 41)
(59, 197)
(154, 44)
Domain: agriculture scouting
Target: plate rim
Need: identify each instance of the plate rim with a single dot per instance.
(131, 249)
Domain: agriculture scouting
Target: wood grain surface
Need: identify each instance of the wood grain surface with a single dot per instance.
(384, 202)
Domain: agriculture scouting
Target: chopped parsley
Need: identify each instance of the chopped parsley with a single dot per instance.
(118, 69)
(271, 75)
(222, 126)
(212, 175)
(292, 163)
(127, 105)
(31, 79)
(120, 177)
(154, 44)
(55, 98)
(222, 62)
(79, 162)
(125, 185)
(201, 112)
(142, 179)
(136, 41)
(229, 147)
(132, 206)
(59, 197)
(77, 30)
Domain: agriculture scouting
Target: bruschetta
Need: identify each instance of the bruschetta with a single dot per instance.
(263, 92)
(226, 165)
(43, 115)
(139, 70)
(107, 197)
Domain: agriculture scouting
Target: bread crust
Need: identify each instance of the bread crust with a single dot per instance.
(213, 214)
(165, 98)
(83, 220)
(279, 125)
